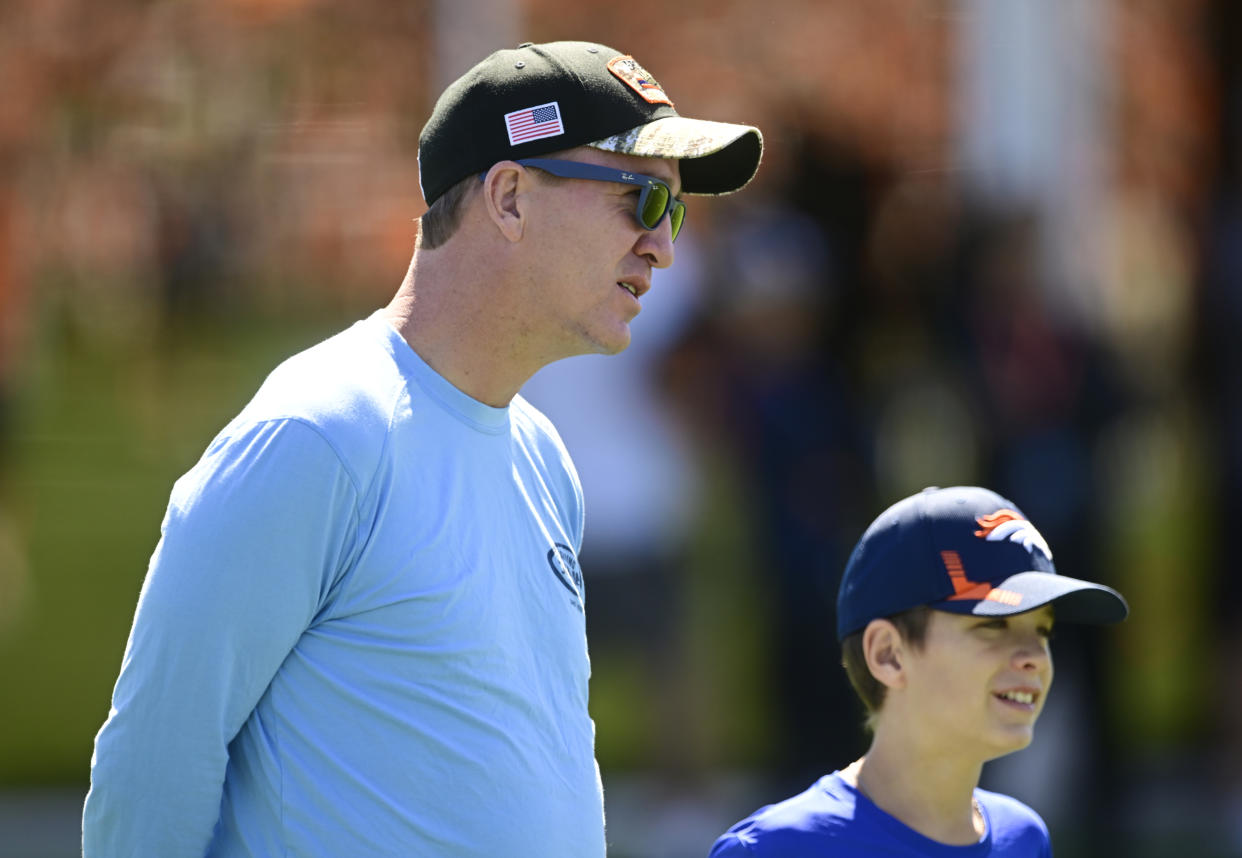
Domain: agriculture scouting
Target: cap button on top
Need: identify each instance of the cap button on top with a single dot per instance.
(519, 65)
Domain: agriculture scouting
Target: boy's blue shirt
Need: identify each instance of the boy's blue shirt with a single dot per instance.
(834, 819)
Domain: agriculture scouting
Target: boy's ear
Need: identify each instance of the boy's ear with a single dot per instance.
(885, 653)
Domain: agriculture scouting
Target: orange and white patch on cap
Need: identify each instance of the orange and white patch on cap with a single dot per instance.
(1009, 524)
(637, 78)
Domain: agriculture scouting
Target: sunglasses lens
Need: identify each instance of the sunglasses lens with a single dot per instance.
(654, 206)
(655, 203)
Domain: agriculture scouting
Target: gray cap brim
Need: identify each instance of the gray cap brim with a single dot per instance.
(716, 157)
(1076, 601)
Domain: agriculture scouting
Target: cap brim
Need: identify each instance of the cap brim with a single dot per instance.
(1075, 601)
(716, 157)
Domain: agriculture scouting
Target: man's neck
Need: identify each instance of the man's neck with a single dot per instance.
(444, 312)
(932, 793)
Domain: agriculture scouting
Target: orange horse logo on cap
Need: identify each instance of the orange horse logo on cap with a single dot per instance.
(1009, 524)
(1005, 524)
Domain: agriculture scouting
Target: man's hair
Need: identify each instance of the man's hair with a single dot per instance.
(441, 220)
(912, 626)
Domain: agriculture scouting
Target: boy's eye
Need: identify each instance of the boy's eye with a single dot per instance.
(1048, 632)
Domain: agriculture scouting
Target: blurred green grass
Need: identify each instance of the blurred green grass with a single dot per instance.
(100, 433)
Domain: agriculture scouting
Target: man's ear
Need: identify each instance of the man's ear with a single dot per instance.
(885, 653)
(504, 196)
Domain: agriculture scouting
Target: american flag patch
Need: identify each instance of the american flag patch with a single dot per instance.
(534, 123)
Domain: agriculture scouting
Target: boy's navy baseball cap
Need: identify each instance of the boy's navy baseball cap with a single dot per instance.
(965, 550)
(537, 99)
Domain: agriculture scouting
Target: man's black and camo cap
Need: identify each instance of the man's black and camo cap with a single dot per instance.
(541, 98)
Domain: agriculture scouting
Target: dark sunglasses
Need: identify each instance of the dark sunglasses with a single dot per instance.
(655, 199)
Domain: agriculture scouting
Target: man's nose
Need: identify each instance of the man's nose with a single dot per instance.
(656, 245)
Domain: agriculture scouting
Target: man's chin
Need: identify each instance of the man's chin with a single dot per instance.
(613, 344)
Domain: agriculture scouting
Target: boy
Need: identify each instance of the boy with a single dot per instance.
(944, 615)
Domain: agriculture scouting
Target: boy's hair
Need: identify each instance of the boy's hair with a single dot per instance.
(912, 626)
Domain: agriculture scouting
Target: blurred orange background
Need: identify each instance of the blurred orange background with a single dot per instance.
(991, 242)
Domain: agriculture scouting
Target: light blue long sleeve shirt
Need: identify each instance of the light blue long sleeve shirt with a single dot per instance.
(361, 633)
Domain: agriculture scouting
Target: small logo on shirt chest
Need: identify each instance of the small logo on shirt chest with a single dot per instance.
(565, 564)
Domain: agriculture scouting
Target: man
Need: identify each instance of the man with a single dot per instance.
(944, 615)
(362, 632)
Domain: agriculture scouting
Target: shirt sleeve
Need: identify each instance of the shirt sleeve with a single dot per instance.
(254, 539)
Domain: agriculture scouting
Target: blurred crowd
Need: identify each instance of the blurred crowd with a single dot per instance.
(886, 309)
